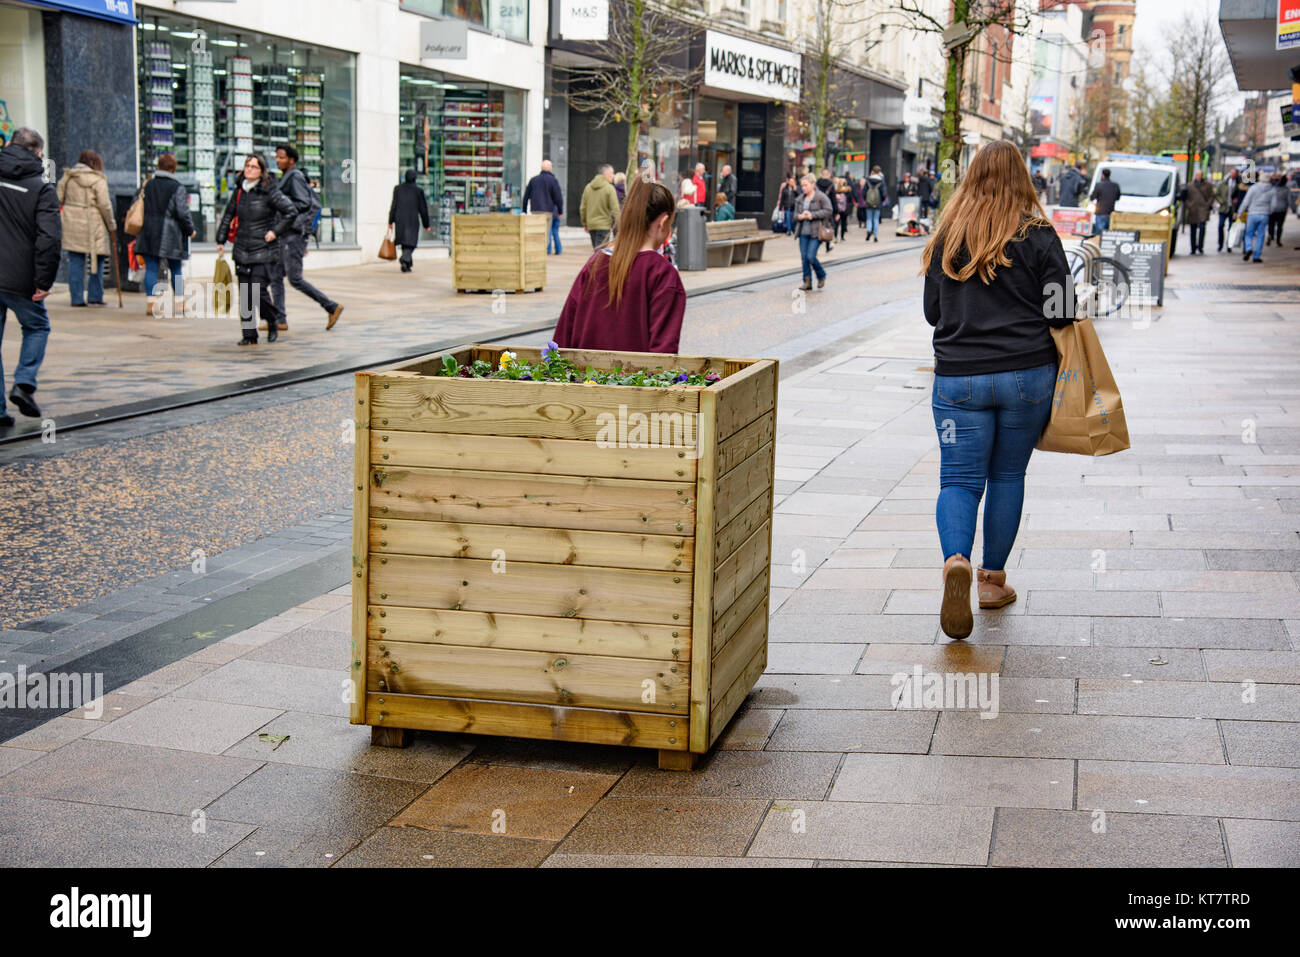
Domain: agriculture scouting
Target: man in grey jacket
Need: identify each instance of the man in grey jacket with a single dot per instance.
(293, 245)
(1256, 207)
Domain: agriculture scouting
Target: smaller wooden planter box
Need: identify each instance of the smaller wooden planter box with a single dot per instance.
(525, 565)
(499, 251)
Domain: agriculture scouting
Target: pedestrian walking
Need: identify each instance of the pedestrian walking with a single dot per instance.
(165, 235)
(628, 297)
(89, 229)
(860, 201)
(812, 210)
(1196, 210)
(30, 236)
(843, 208)
(599, 207)
(701, 185)
(874, 196)
(727, 184)
(620, 187)
(825, 185)
(1256, 208)
(407, 213)
(258, 214)
(1281, 199)
(789, 195)
(1071, 183)
(293, 244)
(1223, 195)
(925, 190)
(1105, 194)
(543, 195)
(995, 279)
(723, 211)
(1040, 186)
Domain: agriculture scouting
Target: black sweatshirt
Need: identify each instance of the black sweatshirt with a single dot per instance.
(981, 329)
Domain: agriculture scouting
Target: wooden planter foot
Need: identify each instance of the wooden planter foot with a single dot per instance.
(390, 737)
(677, 760)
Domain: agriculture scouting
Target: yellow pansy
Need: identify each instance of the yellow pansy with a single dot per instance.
(507, 358)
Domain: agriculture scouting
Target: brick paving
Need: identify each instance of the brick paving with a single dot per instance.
(1149, 693)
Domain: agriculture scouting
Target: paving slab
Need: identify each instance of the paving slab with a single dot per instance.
(668, 861)
(743, 774)
(1268, 743)
(1280, 667)
(863, 692)
(270, 684)
(1263, 843)
(1255, 634)
(181, 724)
(958, 781)
(1079, 736)
(1193, 789)
(848, 730)
(1027, 837)
(1189, 699)
(709, 827)
(1156, 664)
(277, 847)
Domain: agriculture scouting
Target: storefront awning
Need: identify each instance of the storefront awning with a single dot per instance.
(1250, 30)
(119, 11)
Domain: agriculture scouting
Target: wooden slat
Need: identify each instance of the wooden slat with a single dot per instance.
(702, 590)
(580, 681)
(743, 484)
(541, 409)
(628, 728)
(562, 591)
(734, 575)
(516, 543)
(746, 442)
(742, 526)
(736, 695)
(727, 621)
(735, 654)
(537, 456)
(559, 501)
(360, 543)
(745, 396)
(618, 639)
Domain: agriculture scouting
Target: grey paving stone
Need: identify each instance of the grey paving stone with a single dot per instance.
(1205, 790)
(812, 658)
(315, 800)
(667, 861)
(269, 684)
(836, 601)
(1101, 737)
(743, 774)
(11, 758)
(844, 730)
(853, 629)
(415, 847)
(1280, 667)
(862, 558)
(955, 781)
(1188, 633)
(1179, 664)
(166, 679)
(309, 647)
(209, 727)
(1265, 743)
(35, 833)
(996, 629)
(1024, 695)
(708, 827)
(1229, 605)
(1263, 559)
(1263, 843)
(1189, 699)
(52, 734)
(1027, 837)
(864, 692)
(913, 833)
(952, 657)
(749, 729)
(1092, 603)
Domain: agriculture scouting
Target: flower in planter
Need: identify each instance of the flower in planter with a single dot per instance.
(712, 377)
(552, 351)
(506, 359)
(590, 382)
(682, 378)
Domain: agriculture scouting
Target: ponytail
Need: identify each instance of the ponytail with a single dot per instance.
(646, 201)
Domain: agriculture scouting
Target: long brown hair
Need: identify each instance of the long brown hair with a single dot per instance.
(646, 201)
(92, 159)
(995, 203)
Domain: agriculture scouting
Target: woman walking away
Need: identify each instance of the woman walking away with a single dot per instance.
(1280, 200)
(843, 208)
(995, 280)
(166, 233)
(264, 214)
(408, 211)
(629, 298)
(88, 227)
(811, 210)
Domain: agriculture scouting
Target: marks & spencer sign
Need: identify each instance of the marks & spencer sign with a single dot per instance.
(743, 66)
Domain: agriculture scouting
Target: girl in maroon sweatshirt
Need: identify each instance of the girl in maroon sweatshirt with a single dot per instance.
(629, 298)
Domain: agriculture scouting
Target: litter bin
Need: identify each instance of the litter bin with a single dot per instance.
(692, 240)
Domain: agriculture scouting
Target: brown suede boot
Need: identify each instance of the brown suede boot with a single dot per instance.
(955, 616)
(993, 589)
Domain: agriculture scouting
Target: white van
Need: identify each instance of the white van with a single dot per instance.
(1144, 188)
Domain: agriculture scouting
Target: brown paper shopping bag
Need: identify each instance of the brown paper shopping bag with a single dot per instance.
(386, 248)
(1087, 414)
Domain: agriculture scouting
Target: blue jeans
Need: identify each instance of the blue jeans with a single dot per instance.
(1100, 222)
(77, 278)
(808, 254)
(873, 221)
(553, 237)
(988, 426)
(789, 220)
(35, 322)
(1256, 228)
(151, 275)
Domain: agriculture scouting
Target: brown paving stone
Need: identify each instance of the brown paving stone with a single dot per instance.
(1274, 667)
(668, 861)
(749, 730)
(707, 827)
(1026, 837)
(737, 774)
(276, 847)
(955, 656)
(1188, 633)
(325, 741)
(414, 847)
(1101, 737)
(1196, 789)
(129, 775)
(1263, 843)
(955, 781)
(1180, 664)
(552, 755)
(837, 830)
(1189, 699)
(184, 725)
(1274, 744)
(883, 731)
(314, 800)
(518, 802)
(864, 692)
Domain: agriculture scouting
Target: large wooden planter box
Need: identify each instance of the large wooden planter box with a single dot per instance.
(499, 251)
(519, 568)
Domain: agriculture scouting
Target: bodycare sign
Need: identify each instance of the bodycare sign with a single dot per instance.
(743, 66)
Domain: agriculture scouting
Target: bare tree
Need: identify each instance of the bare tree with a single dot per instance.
(832, 31)
(647, 70)
(1198, 78)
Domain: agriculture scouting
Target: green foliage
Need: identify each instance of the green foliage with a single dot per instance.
(555, 368)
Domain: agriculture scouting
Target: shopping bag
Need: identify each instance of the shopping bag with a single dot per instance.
(386, 249)
(223, 287)
(134, 221)
(1087, 413)
(134, 264)
(1235, 233)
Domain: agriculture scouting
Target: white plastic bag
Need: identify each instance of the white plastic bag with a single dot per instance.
(1235, 234)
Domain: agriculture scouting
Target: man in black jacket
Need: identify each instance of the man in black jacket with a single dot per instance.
(543, 195)
(30, 239)
(728, 184)
(1072, 181)
(1106, 194)
(293, 245)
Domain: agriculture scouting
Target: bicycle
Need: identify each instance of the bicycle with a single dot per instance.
(1107, 277)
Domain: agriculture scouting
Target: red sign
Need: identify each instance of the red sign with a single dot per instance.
(1048, 150)
(1071, 221)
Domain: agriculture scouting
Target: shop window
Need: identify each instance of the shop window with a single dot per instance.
(509, 17)
(212, 95)
(22, 71)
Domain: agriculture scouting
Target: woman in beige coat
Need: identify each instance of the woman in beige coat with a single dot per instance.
(88, 227)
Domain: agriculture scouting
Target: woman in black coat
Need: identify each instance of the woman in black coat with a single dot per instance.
(264, 214)
(406, 214)
(166, 232)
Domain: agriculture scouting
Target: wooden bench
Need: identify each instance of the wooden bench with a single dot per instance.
(734, 241)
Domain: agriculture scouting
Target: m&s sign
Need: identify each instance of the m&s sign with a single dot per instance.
(1288, 24)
